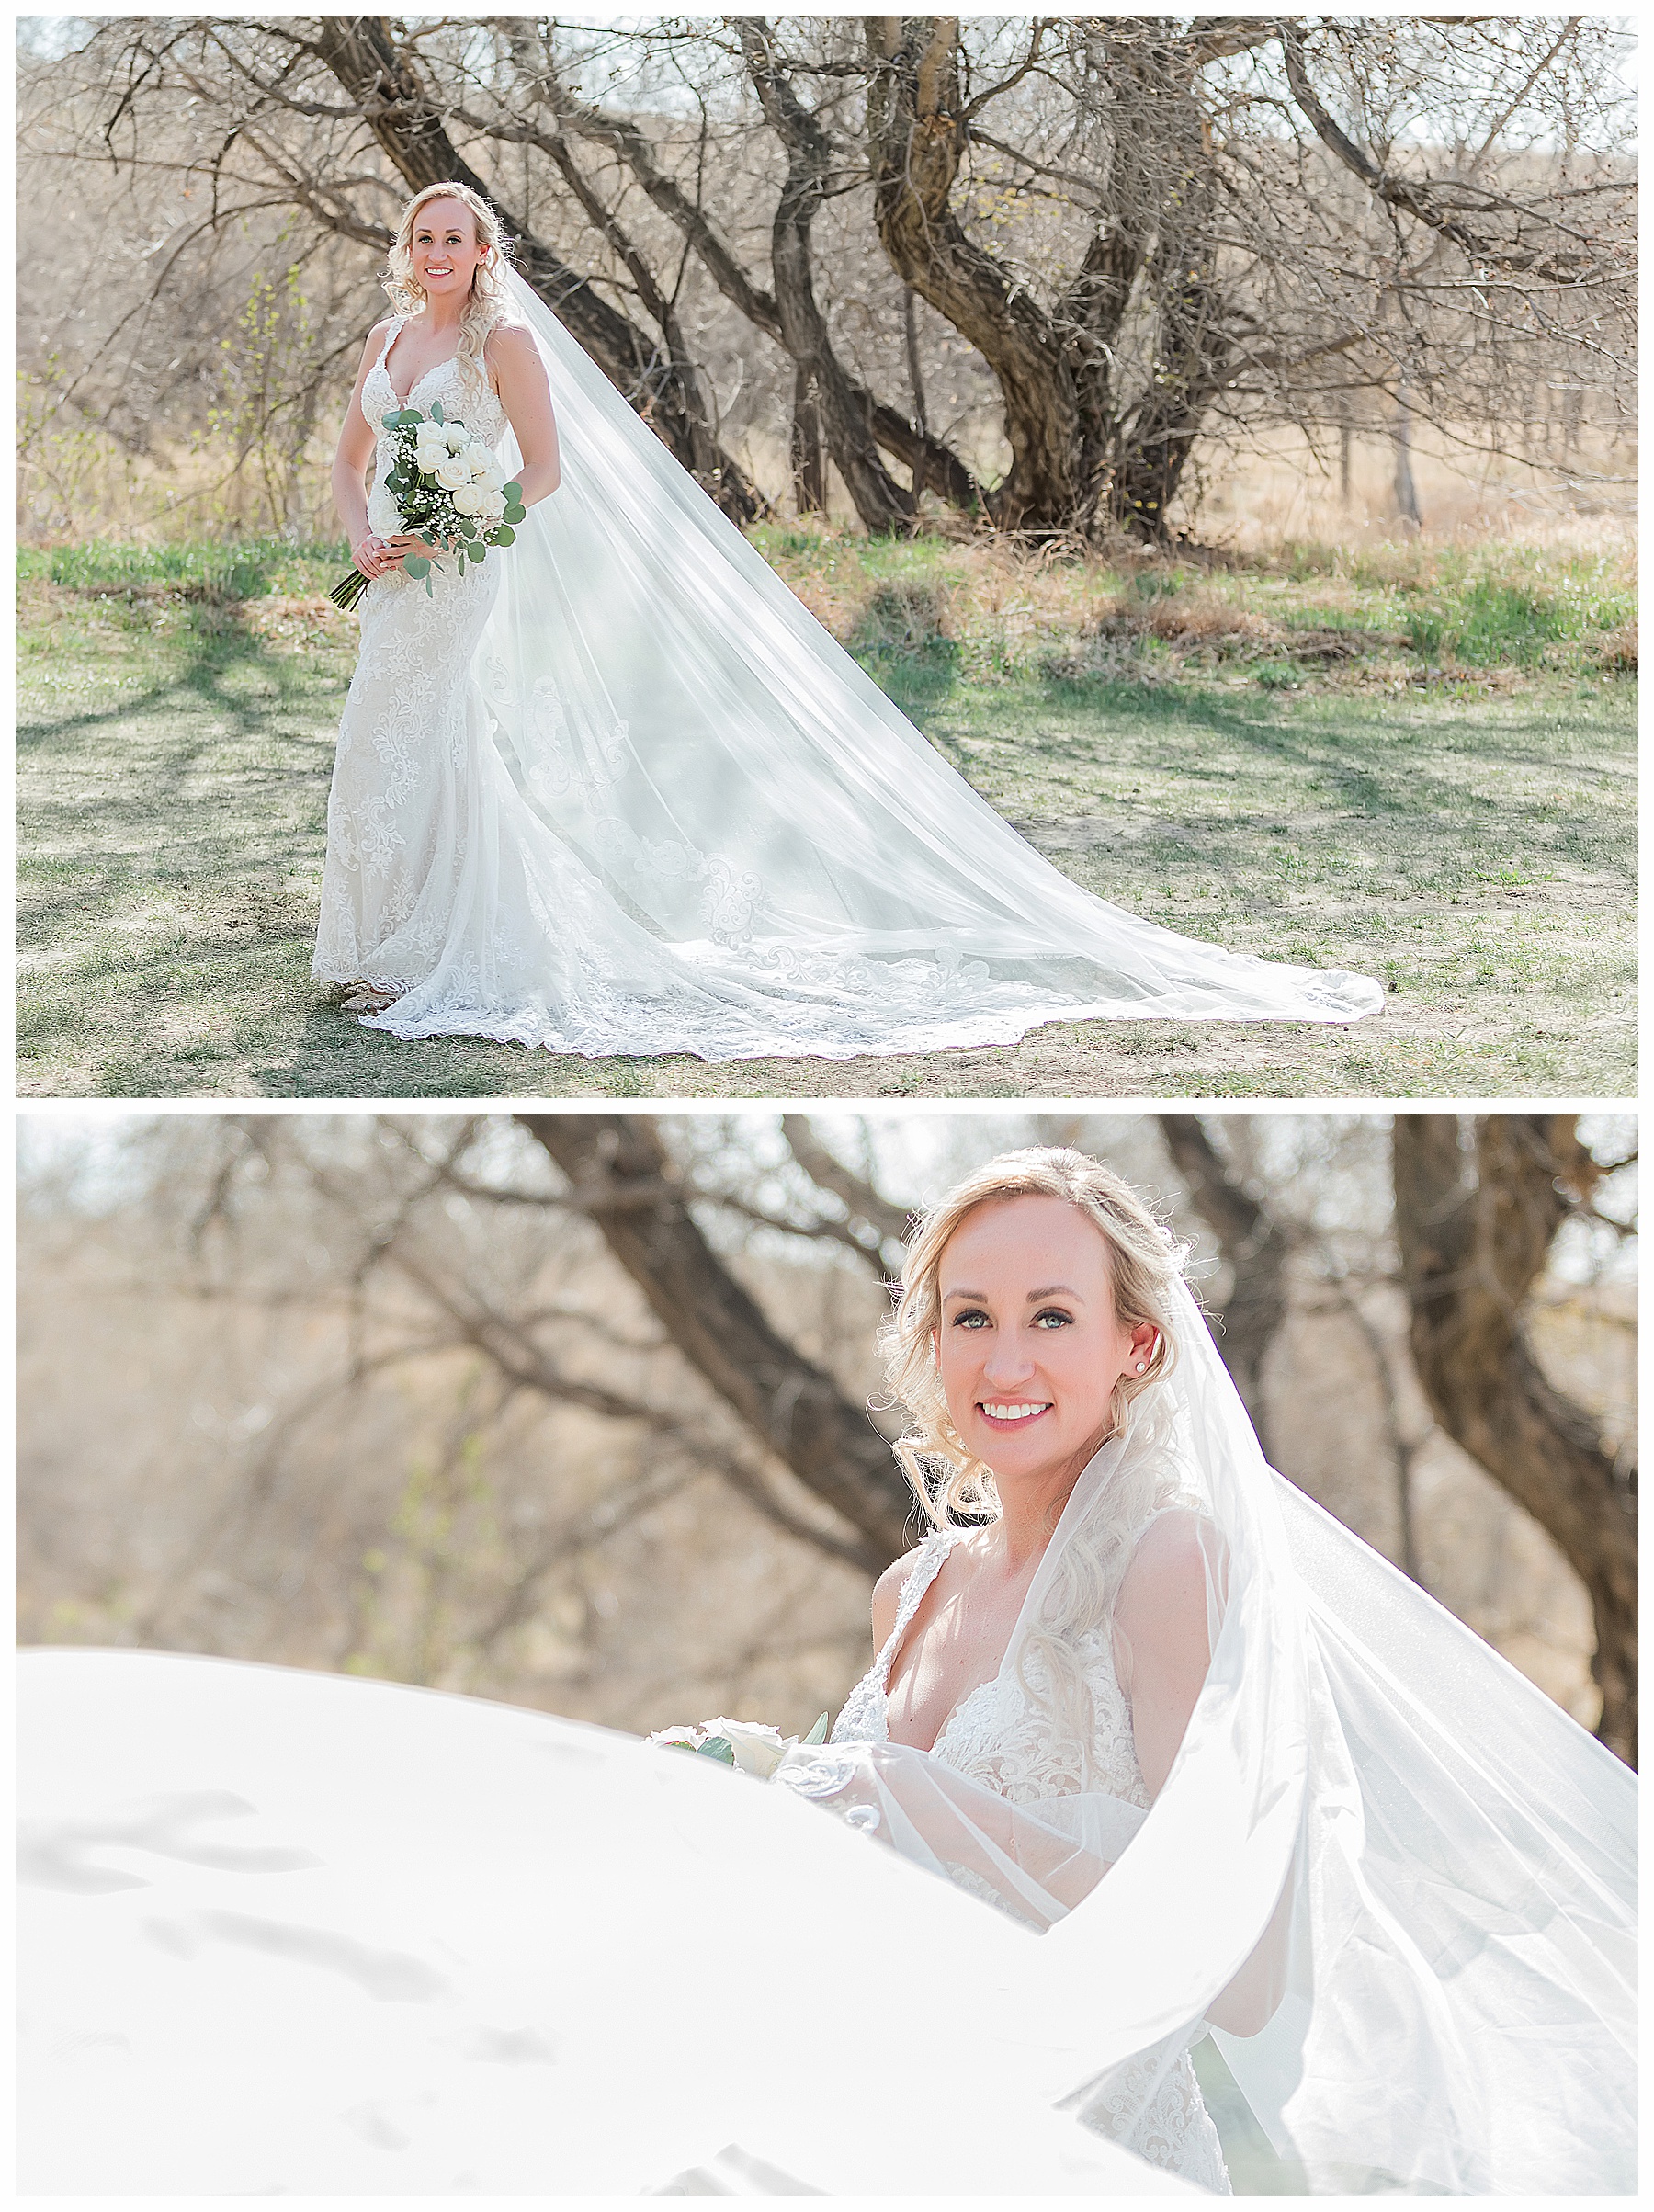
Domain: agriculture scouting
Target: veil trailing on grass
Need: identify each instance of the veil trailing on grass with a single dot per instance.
(1397, 1880)
(816, 878)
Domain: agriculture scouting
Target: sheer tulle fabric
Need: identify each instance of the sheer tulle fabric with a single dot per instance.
(1453, 1967)
(693, 824)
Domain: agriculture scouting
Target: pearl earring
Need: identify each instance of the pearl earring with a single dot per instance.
(1142, 1365)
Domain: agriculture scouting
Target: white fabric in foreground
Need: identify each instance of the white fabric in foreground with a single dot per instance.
(292, 1934)
(716, 835)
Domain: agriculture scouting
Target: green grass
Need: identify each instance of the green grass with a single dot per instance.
(1460, 827)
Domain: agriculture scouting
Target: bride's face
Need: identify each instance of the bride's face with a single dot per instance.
(1029, 1344)
(444, 249)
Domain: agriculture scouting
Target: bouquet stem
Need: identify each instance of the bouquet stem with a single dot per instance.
(348, 589)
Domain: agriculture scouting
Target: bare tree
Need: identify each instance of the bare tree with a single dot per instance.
(1147, 231)
(1477, 1213)
(624, 1178)
(1256, 1244)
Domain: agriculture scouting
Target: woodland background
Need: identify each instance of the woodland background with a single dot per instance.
(1071, 278)
(583, 1412)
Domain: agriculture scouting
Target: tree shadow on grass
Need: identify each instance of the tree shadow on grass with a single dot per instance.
(1452, 798)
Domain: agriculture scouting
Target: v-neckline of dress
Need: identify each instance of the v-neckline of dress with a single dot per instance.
(385, 368)
(893, 1645)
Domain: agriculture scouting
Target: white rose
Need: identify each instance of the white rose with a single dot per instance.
(687, 1737)
(429, 457)
(480, 462)
(492, 506)
(758, 1748)
(456, 436)
(452, 474)
(467, 502)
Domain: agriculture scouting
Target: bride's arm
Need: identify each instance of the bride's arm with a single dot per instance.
(352, 460)
(1162, 1645)
(519, 377)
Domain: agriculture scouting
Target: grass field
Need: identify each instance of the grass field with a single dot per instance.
(1415, 763)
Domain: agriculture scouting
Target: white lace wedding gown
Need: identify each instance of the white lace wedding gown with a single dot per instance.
(997, 1737)
(614, 792)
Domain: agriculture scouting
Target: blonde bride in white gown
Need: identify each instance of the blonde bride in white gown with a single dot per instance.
(615, 792)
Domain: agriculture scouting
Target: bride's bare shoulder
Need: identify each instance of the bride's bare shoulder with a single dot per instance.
(375, 339)
(510, 342)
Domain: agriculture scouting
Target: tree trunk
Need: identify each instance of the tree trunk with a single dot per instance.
(628, 1182)
(1407, 496)
(1474, 1229)
(1256, 1248)
(916, 139)
(363, 53)
(809, 474)
(846, 421)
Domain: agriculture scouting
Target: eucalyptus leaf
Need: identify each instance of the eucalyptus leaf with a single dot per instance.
(513, 492)
(819, 1733)
(505, 535)
(467, 528)
(436, 413)
(417, 565)
(515, 512)
(718, 1748)
(476, 553)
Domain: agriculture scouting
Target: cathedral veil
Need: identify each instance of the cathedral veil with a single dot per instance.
(1451, 1969)
(746, 792)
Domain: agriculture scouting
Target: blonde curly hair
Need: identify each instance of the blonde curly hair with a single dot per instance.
(488, 303)
(1143, 1266)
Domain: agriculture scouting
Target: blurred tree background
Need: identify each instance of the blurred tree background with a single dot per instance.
(1049, 275)
(583, 1411)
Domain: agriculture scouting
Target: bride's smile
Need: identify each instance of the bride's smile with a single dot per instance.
(1030, 1348)
(443, 253)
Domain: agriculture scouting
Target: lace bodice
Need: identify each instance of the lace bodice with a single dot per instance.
(999, 1736)
(996, 1734)
(464, 394)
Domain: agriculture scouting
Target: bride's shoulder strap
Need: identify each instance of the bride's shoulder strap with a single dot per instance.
(927, 1563)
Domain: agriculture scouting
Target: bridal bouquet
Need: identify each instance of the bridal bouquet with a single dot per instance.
(451, 492)
(749, 1746)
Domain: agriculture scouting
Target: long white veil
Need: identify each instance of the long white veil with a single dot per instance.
(1427, 1866)
(676, 719)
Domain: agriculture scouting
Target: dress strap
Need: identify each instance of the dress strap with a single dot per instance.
(926, 1567)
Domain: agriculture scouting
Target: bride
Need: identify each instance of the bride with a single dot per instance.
(1035, 1312)
(1261, 1795)
(615, 792)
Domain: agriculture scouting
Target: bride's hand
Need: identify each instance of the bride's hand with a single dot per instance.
(376, 555)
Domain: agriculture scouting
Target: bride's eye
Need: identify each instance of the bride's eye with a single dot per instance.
(970, 1318)
(1053, 1318)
